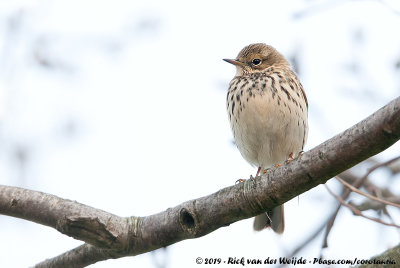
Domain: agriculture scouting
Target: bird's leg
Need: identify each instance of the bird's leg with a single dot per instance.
(258, 171)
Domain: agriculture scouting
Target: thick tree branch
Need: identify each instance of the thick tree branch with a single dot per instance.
(135, 235)
(92, 225)
(390, 257)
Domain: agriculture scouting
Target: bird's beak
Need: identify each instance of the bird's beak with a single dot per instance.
(234, 62)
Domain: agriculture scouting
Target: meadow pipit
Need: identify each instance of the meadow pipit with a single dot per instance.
(267, 109)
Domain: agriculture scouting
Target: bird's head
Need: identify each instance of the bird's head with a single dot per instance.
(256, 58)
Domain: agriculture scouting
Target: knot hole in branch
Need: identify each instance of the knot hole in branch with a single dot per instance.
(187, 220)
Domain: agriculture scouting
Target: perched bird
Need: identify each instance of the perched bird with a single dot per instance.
(267, 109)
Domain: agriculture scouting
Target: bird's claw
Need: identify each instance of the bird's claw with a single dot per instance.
(240, 180)
(289, 159)
(265, 171)
(243, 180)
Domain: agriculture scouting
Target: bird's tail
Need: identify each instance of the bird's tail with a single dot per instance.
(273, 218)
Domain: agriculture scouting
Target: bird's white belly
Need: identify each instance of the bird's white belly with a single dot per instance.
(266, 133)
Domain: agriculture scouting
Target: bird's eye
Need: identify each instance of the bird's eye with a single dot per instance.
(256, 61)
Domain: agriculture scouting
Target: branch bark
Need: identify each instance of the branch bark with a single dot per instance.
(391, 257)
(110, 236)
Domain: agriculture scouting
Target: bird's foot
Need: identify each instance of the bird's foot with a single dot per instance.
(243, 180)
(265, 171)
(251, 177)
(290, 159)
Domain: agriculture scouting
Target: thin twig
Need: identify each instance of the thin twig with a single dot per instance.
(346, 193)
(358, 184)
(370, 187)
(352, 188)
(358, 212)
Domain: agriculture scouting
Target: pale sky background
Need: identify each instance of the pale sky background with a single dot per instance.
(120, 105)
